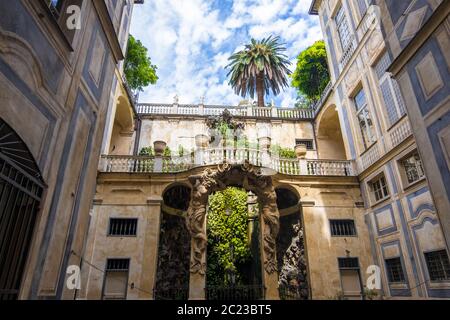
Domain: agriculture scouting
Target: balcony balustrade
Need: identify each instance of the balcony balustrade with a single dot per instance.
(207, 157)
(149, 109)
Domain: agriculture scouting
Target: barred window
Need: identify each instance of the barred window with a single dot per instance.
(379, 188)
(309, 143)
(122, 227)
(340, 228)
(348, 263)
(413, 168)
(394, 270)
(438, 265)
(116, 279)
(393, 100)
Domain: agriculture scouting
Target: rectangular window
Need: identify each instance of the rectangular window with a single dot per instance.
(379, 188)
(342, 28)
(413, 168)
(394, 270)
(340, 228)
(309, 143)
(364, 119)
(116, 279)
(393, 100)
(438, 265)
(122, 227)
(350, 278)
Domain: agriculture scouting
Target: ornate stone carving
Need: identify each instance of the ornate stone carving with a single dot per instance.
(216, 180)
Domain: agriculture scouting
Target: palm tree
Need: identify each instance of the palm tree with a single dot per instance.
(261, 66)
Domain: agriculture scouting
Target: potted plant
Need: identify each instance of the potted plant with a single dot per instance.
(300, 151)
(201, 140)
(159, 147)
(264, 143)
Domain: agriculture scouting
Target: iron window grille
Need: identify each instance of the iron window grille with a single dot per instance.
(308, 142)
(413, 168)
(380, 189)
(341, 228)
(115, 284)
(394, 270)
(122, 227)
(438, 265)
(348, 263)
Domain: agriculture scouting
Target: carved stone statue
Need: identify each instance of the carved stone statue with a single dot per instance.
(217, 180)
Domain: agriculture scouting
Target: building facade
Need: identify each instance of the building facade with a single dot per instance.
(417, 38)
(374, 111)
(142, 202)
(60, 65)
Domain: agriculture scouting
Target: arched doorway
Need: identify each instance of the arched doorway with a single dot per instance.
(291, 255)
(233, 251)
(21, 188)
(251, 179)
(172, 277)
(330, 144)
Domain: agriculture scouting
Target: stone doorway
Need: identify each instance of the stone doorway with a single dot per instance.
(251, 179)
(233, 250)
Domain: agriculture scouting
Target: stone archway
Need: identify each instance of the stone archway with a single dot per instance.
(212, 180)
(330, 142)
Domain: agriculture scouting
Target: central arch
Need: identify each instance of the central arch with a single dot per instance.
(251, 179)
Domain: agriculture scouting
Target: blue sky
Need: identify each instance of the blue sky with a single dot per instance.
(191, 40)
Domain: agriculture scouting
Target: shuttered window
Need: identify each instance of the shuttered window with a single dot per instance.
(393, 100)
(116, 279)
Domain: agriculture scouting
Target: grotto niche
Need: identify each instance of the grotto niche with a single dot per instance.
(291, 255)
(172, 276)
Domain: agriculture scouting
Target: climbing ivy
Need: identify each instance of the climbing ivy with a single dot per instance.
(227, 227)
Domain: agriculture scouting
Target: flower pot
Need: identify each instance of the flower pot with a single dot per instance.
(159, 147)
(201, 141)
(300, 151)
(264, 143)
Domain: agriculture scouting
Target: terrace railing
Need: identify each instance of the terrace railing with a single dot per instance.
(207, 157)
(152, 109)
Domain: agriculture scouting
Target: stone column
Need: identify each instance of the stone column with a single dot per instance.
(151, 245)
(197, 278)
(269, 271)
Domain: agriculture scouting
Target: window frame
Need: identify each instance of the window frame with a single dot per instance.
(377, 178)
(447, 279)
(393, 90)
(341, 20)
(108, 233)
(364, 110)
(107, 271)
(352, 228)
(389, 270)
(418, 165)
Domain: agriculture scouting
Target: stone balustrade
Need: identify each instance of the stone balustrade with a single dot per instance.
(207, 157)
(149, 109)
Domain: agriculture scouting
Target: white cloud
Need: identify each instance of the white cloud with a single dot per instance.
(190, 42)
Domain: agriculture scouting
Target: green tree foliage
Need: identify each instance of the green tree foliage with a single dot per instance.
(260, 67)
(138, 69)
(311, 75)
(227, 225)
